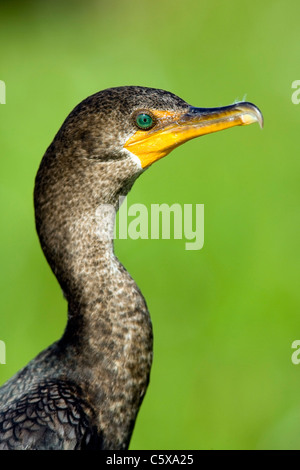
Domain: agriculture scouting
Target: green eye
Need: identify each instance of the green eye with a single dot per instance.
(144, 121)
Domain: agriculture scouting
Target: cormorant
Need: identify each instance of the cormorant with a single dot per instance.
(85, 390)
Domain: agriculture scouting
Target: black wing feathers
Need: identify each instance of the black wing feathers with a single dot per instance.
(51, 415)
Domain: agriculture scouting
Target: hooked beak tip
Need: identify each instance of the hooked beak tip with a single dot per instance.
(250, 113)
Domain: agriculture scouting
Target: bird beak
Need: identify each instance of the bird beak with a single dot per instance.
(172, 129)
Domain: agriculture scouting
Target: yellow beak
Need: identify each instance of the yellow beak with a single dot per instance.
(172, 129)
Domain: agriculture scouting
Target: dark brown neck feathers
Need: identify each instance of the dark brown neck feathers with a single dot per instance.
(107, 344)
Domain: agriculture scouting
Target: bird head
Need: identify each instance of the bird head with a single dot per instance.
(145, 124)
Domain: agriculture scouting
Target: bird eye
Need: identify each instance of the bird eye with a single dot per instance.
(144, 121)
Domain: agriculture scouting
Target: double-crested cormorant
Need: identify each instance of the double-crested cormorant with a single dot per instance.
(85, 390)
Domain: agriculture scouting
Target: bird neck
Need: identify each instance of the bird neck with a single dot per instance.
(109, 333)
(107, 342)
(102, 296)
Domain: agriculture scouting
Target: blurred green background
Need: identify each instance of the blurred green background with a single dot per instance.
(224, 317)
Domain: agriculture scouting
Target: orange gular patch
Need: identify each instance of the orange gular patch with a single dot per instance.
(151, 145)
(172, 129)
